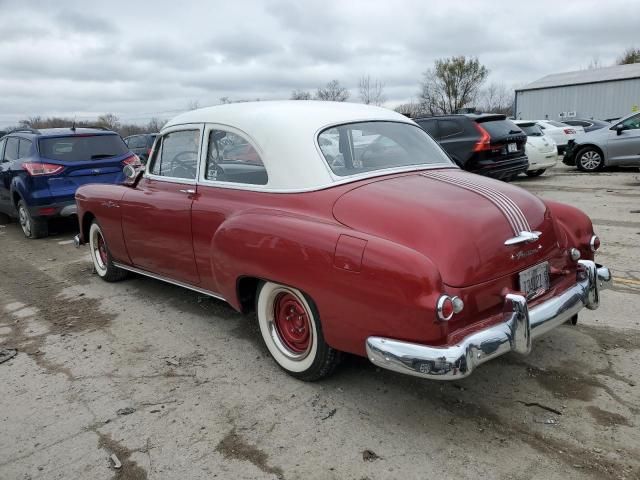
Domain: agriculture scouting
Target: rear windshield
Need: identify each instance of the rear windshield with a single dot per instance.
(500, 128)
(80, 148)
(362, 147)
(556, 124)
(531, 129)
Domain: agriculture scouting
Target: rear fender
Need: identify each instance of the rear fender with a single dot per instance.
(575, 225)
(393, 294)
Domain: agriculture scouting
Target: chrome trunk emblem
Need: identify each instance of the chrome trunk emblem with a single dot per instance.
(523, 237)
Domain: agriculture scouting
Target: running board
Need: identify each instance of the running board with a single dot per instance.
(527, 237)
(169, 280)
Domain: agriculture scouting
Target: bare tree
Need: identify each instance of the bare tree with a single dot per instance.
(451, 84)
(630, 55)
(333, 92)
(193, 105)
(371, 93)
(300, 95)
(411, 109)
(109, 121)
(496, 98)
(155, 124)
(32, 122)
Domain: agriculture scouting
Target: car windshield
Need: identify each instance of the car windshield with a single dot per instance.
(531, 129)
(362, 147)
(557, 124)
(78, 148)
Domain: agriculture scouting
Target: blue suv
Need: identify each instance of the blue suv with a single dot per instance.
(40, 171)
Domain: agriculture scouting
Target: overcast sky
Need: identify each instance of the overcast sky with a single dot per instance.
(144, 59)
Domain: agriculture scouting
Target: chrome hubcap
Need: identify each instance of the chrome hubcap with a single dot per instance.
(590, 160)
(25, 221)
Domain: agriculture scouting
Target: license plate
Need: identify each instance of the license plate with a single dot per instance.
(534, 281)
(512, 147)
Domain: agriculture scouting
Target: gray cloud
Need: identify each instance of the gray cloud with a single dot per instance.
(140, 61)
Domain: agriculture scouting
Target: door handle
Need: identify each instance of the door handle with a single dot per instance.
(188, 191)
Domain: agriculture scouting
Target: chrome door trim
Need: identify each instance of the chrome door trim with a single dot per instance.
(169, 280)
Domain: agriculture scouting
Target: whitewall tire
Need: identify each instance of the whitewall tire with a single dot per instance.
(101, 257)
(291, 329)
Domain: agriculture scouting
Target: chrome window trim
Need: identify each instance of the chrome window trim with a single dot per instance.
(315, 188)
(160, 178)
(177, 128)
(338, 180)
(204, 151)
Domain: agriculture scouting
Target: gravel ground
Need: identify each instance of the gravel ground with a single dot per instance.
(176, 385)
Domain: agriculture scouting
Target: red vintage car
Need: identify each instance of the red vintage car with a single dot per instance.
(352, 232)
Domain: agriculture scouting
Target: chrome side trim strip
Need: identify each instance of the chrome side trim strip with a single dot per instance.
(520, 326)
(169, 280)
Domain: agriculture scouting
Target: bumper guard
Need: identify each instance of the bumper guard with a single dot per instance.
(520, 326)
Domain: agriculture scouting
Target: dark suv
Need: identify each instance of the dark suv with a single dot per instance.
(487, 144)
(141, 145)
(40, 171)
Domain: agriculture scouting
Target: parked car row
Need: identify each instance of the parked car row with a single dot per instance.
(347, 229)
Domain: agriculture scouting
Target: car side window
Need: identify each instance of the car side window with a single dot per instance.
(231, 158)
(177, 155)
(24, 148)
(11, 150)
(449, 128)
(134, 142)
(430, 126)
(632, 123)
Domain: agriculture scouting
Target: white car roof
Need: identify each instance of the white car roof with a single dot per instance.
(284, 134)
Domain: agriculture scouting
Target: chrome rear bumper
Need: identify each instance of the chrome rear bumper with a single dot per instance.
(521, 325)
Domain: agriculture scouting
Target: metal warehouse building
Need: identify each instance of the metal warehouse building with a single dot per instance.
(600, 93)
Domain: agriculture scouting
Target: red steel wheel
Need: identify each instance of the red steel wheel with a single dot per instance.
(291, 330)
(292, 322)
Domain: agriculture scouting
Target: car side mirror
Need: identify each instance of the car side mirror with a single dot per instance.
(619, 128)
(133, 174)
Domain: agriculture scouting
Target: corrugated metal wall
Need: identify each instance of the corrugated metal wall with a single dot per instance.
(596, 100)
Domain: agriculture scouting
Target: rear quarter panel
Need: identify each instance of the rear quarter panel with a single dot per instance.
(392, 295)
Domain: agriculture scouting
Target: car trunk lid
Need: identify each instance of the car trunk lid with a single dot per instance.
(459, 220)
(86, 158)
(502, 139)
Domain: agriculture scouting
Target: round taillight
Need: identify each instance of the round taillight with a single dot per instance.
(594, 243)
(445, 308)
(458, 304)
(574, 253)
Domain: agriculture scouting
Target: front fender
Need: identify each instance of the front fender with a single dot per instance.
(393, 294)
